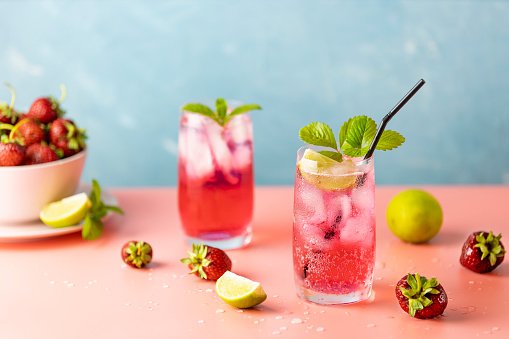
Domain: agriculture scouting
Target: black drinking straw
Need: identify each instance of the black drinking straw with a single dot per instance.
(389, 116)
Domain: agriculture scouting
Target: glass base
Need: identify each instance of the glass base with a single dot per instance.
(222, 242)
(332, 299)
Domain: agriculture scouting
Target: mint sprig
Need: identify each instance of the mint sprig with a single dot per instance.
(93, 226)
(220, 115)
(354, 138)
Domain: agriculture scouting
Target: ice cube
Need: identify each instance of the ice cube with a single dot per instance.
(363, 196)
(309, 202)
(195, 154)
(339, 209)
(239, 130)
(220, 152)
(359, 230)
(242, 156)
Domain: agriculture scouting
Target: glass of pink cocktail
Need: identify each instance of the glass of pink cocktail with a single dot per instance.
(215, 174)
(334, 210)
(334, 227)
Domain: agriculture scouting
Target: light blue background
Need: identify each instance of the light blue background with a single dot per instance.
(129, 65)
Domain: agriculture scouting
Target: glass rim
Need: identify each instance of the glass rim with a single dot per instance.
(357, 161)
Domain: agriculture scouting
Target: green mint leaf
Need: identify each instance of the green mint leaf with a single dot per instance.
(221, 108)
(100, 211)
(333, 155)
(201, 109)
(390, 140)
(92, 228)
(343, 132)
(114, 209)
(96, 192)
(361, 132)
(318, 134)
(355, 152)
(240, 110)
(243, 109)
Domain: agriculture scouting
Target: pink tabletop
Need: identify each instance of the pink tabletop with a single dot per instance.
(64, 287)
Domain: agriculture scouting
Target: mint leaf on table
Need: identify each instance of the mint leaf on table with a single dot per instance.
(221, 115)
(354, 138)
(93, 226)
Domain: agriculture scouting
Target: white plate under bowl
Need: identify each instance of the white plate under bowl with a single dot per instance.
(38, 230)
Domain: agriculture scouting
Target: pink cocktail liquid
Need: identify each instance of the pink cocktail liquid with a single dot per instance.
(334, 238)
(215, 186)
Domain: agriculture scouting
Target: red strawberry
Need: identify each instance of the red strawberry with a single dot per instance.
(28, 132)
(482, 252)
(45, 110)
(39, 154)
(7, 113)
(64, 134)
(11, 153)
(136, 254)
(207, 262)
(420, 297)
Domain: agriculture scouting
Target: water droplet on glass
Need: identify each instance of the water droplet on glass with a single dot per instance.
(296, 321)
(320, 329)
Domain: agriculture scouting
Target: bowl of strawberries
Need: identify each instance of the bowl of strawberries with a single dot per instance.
(42, 155)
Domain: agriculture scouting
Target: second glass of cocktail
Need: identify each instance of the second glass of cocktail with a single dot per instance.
(215, 170)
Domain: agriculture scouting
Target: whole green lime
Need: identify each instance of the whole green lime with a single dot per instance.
(414, 216)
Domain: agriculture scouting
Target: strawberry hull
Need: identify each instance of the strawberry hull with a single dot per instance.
(215, 186)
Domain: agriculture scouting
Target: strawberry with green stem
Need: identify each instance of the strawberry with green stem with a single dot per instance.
(28, 132)
(354, 139)
(93, 226)
(40, 154)
(420, 297)
(7, 113)
(482, 252)
(220, 115)
(47, 109)
(65, 135)
(207, 262)
(137, 254)
(12, 152)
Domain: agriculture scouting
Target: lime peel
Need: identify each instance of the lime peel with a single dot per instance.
(239, 291)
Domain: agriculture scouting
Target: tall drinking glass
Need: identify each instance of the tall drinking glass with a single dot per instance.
(215, 179)
(334, 229)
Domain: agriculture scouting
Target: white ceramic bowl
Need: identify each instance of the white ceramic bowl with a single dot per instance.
(25, 190)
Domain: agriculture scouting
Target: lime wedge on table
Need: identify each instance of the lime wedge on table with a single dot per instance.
(326, 173)
(66, 212)
(238, 291)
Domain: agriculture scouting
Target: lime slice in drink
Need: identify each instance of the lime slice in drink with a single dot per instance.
(326, 173)
(66, 212)
(238, 291)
